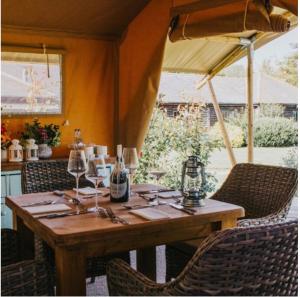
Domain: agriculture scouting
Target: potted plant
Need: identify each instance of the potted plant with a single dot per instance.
(5, 141)
(46, 137)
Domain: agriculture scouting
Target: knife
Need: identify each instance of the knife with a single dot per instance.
(189, 211)
(61, 215)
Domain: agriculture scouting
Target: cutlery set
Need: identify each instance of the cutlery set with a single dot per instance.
(108, 212)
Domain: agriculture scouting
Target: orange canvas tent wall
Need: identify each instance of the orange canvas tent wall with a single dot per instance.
(89, 75)
(109, 86)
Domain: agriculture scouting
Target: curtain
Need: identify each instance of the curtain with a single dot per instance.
(140, 62)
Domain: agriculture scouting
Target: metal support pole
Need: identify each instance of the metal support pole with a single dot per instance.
(250, 59)
(222, 124)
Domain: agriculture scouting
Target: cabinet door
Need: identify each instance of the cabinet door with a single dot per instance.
(3, 186)
(15, 184)
(6, 215)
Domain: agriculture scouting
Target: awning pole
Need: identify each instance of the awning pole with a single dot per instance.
(222, 124)
(250, 57)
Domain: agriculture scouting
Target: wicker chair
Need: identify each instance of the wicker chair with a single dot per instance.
(50, 175)
(265, 192)
(254, 261)
(22, 278)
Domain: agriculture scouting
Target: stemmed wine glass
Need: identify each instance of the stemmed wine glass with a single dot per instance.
(131, 162)
(157, 174)
(96, 172)
(77, 166)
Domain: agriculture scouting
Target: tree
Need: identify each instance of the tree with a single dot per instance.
(285, 69)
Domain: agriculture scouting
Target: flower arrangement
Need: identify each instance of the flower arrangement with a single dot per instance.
(47, 134)
(5, 137)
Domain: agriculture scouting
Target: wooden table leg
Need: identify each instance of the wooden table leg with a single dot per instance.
(26, 237)
(228, 223)
(70, 272)
(146, 262)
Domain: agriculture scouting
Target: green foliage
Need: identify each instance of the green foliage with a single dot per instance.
(270, 110)
(275, 132)
(235, 133)
(47, 134)
(170, 141)
(270, 128)
(291, 159)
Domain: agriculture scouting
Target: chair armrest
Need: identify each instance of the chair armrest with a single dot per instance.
(267, 220)
(26, 278)
(123, 280)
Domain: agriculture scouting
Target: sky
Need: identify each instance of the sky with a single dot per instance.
(275, 50)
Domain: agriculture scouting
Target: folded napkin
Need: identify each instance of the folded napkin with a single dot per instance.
(87, 191)
(150, 214)
(47, 208)
(171, 194)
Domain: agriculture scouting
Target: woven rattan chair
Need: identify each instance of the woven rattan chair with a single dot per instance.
(253, 261)
(265, 192)
(22, 278)
(50, 175)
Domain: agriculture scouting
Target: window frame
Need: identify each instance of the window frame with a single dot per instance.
(39, 50)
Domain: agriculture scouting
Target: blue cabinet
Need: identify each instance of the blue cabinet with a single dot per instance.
(10, 185)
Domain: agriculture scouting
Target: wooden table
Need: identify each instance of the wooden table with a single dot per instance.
(77, 237)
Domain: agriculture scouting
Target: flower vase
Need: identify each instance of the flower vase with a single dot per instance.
(45, 151)
(4, 155)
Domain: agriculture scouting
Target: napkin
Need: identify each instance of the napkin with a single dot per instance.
(171, 194)
(150, 214)
(47, 208)
(87, 191)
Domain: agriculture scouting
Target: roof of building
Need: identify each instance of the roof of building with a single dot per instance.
(181, 88)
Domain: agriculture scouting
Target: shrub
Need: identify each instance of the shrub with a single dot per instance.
(235, 133)
(168, 143)
(275, 132)
(291, 158)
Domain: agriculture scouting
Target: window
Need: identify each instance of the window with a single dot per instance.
(31, 83)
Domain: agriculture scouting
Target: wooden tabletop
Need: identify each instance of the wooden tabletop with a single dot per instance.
(83, 228)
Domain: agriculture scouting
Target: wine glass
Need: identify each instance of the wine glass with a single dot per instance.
(157, 174)
(77, 166)
(96, 172)
(131, 162)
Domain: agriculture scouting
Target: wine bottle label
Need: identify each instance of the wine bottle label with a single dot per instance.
(118, 190)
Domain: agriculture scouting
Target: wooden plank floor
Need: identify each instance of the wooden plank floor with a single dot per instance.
(100, 287)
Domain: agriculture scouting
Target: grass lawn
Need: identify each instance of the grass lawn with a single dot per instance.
(220, 164)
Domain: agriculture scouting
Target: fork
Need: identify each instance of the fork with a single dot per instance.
(115, 219)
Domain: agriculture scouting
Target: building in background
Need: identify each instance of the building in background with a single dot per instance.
(181, 89)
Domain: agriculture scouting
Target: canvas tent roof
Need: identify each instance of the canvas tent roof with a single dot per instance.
(92, 18)
(203, 55)
(182, 88)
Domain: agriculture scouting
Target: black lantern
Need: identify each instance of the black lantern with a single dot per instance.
(193, 182)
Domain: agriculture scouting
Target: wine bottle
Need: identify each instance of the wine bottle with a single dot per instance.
(119, 183)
